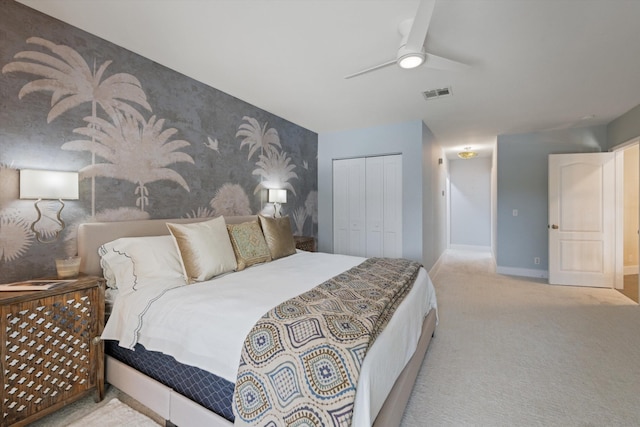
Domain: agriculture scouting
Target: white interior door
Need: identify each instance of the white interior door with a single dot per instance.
(581, 219)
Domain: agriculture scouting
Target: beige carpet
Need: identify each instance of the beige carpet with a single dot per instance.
(81, 413)
(515, 352)
(114, 414)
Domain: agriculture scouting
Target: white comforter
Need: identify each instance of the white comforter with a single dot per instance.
(205, 324)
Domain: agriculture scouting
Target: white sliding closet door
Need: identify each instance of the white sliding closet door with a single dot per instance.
(375, 206)
(367, 206)
(340, 207)
(349, 207)
(392, 205)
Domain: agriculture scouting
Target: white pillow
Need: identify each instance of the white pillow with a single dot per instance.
(205, 249)
(129, 262)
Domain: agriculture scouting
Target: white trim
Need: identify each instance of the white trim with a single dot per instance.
(620, 269)
(436, 266)
(618, 279)
(627, 144)
(525, 272)
(471, 248)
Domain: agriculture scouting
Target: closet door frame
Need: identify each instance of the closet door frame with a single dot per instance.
(367, 206)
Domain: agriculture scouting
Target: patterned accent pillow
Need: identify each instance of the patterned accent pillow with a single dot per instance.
(204, 248)
(248, 244)
(277, 233)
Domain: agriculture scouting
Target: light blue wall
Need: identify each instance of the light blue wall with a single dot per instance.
(434, 206)
(624, 128)
(522, 184)
(471, 202)
(494, 199)
(407, 139)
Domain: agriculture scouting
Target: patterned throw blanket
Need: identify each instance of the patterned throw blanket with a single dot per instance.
(301, 361)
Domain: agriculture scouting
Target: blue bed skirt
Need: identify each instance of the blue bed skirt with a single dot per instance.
(204, 388)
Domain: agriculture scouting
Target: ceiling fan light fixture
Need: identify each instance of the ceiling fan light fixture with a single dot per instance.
(411, 60)
(467, 153)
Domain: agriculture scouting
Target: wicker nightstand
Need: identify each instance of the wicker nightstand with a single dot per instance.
(305, 243)
(51, 355)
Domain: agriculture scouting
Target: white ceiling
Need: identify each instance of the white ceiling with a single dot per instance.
(534, 64)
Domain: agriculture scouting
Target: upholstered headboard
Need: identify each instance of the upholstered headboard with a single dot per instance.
(94, 234)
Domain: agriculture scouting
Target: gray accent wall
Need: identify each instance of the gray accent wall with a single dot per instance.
(147, 141)
(416, 144)
(522, 184)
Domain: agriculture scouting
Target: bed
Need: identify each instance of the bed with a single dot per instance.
(385, 382)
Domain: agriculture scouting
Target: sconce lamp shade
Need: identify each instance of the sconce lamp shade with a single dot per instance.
(49, 185)
(277, 196)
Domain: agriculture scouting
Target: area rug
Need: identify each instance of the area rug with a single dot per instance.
(114, 414)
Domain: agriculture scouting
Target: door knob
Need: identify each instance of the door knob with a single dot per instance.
(554, 226)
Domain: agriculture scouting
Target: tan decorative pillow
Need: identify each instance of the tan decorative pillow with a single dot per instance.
(204, 248)
(277, 233)
(248, 244)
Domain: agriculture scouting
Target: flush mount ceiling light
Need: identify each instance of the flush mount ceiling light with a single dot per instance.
(411, 60)
(467, 153)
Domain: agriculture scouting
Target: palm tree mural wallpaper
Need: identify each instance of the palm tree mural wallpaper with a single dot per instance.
(135, 150)
(72, 82)
(148, 142)
(273, 164)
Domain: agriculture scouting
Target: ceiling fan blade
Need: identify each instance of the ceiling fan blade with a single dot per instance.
(376, 67)
(442, 63)
(420, 27)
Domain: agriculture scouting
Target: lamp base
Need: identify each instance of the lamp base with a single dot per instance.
(39, 235)
(277, 213)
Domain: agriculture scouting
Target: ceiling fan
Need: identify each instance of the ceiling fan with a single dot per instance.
(411, 53)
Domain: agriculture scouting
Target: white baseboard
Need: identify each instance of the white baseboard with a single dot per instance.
(630, 269)
(471, 248)
(436, 266)
(525, 272)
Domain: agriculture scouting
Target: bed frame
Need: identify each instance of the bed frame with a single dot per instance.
(174, 407)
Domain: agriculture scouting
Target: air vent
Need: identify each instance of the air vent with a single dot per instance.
(436, 93)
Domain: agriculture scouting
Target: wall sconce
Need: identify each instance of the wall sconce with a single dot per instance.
(48, 185)
(277, 197)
